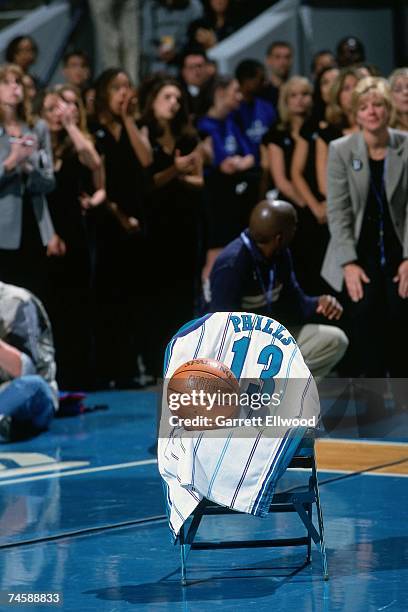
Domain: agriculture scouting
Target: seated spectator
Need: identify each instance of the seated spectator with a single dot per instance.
(28, 391)
(254, 115)
(350, 50)
(217, 23)
(230, 188)
(164, 35)
(254, 273)
(399, 92)
(76, 69)
(196, 82)
(279, 60)
(321, 59)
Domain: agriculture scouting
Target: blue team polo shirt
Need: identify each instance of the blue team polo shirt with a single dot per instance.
(255, 119)
(227, 138)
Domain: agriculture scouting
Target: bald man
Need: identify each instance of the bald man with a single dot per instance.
(254, 273)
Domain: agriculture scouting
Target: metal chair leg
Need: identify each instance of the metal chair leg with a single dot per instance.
(321, 526)
(309, 544)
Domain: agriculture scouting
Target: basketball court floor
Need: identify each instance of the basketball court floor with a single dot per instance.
(82, 515)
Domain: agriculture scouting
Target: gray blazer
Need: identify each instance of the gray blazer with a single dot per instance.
(38, 182)
(348, 186)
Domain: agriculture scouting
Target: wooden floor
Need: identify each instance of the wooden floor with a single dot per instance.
(351, 456)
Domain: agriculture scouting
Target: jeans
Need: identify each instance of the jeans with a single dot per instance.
(29, 401)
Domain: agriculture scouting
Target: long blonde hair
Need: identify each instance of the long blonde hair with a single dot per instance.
(284, 94)
(24, 108)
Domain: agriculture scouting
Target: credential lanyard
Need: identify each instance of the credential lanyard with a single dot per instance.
(380, 197)
(267, 291)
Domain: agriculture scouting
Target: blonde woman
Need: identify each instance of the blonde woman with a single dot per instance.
(367, 256)
(295, 105)
(26, 175)
(399, 92)
(340, 120)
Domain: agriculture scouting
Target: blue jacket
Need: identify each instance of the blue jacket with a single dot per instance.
(243, 280)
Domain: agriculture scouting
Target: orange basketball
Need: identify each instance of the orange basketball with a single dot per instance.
(200, 391)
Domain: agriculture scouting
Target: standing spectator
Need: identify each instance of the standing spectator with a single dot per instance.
(165, 32)
(194, 78)
(321, 59)
(119, 280)
(295, 104)
(28, 390)
(22, 51)
(399, 92)
(79, 188)
(321, 97)
(230, 189)
(254, 115)
(173, 211)
(116, 24)
(279, 60)
(340, 120)
(312, 218)
(76, 69)
(368, 250)
(350, 50)
(218, 23)
(26, 175)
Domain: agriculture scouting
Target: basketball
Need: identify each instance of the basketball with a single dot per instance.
(201, 390)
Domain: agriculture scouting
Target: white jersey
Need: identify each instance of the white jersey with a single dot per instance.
(237, 466)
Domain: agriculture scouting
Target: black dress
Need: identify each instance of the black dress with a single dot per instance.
(173, 213)
(68, 302)
(313, 236)
(119, 285)
(377, 325)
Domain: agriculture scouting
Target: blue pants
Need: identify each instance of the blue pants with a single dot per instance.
(29, 401)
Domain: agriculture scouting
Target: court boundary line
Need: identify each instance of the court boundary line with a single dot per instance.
(99, 468)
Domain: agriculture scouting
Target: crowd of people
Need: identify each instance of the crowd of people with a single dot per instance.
(117, 201)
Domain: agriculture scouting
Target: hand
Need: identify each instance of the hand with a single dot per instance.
(402, 279)
(329, 307)
(229, 165)
(128, 106)
(320, 212)
(22, 148)
(92, 201)
(354, 277)
(206, 38)
(185, 164)
(66, 113)
(56, 247)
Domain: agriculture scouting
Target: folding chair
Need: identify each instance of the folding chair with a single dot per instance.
(297, 499)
